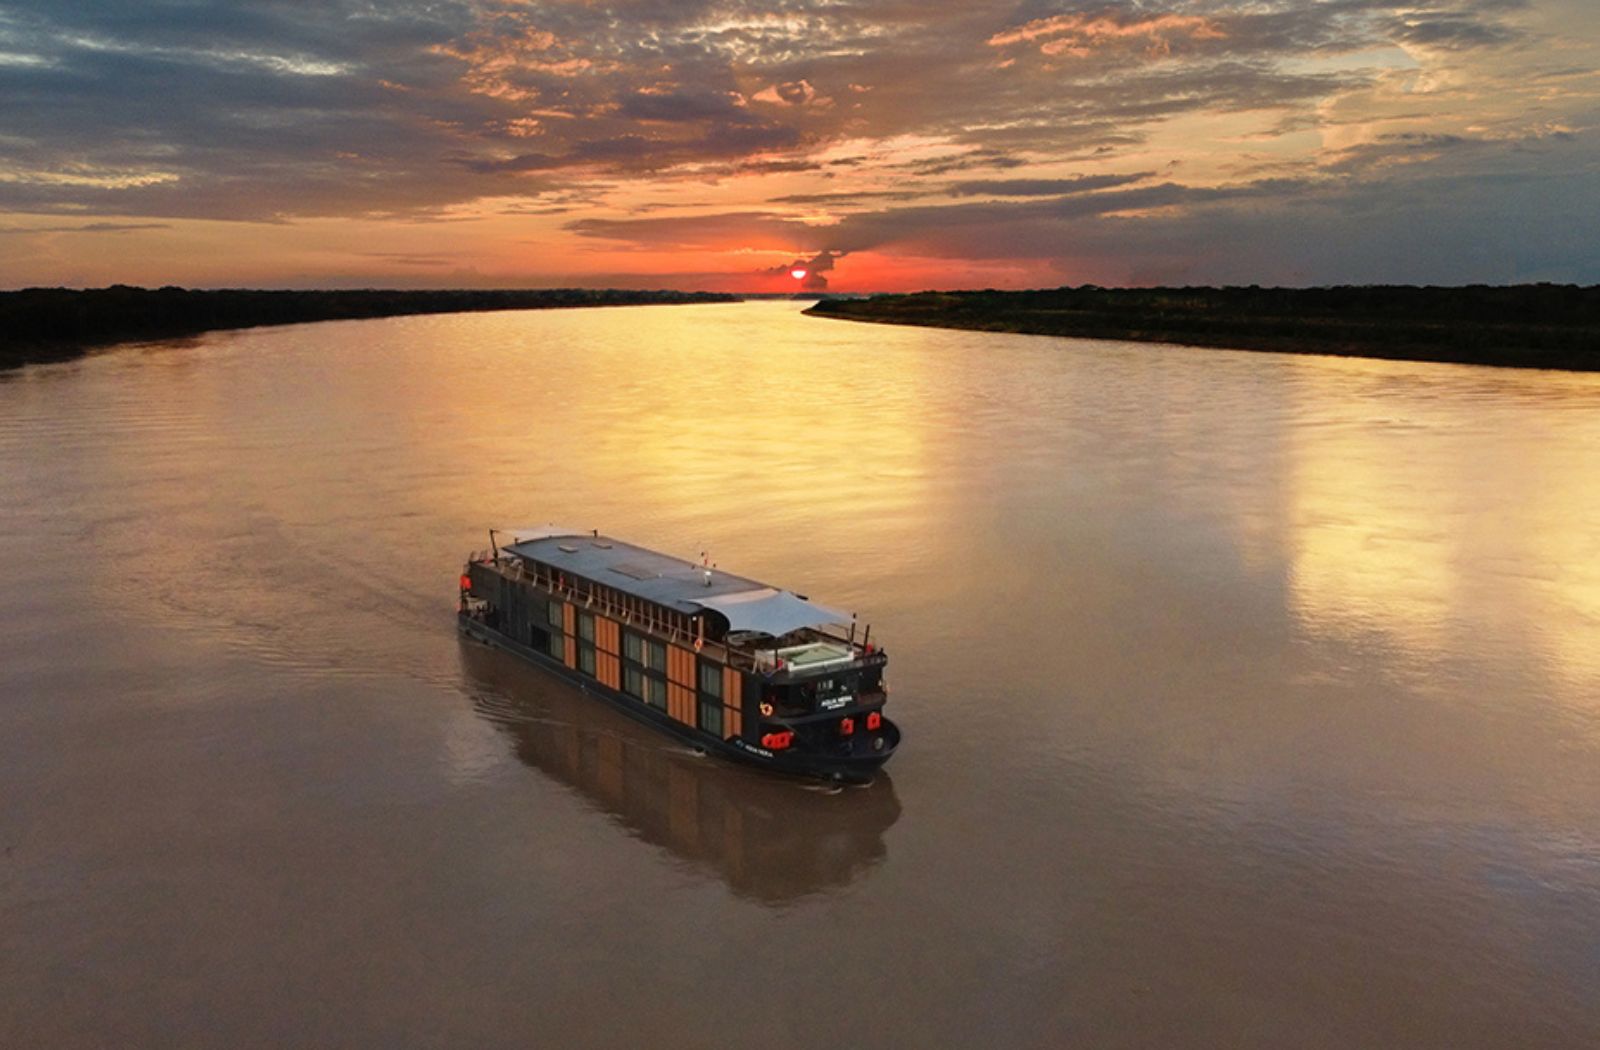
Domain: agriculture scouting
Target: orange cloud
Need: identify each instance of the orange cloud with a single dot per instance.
(1080, 35)
(495, 59)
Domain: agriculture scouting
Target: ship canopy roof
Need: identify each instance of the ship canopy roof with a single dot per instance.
(748, 605)
(768, 610)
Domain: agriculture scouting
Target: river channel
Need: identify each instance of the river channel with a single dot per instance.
(1249, 700)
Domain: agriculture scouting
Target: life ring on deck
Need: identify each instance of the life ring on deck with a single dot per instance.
(766, 709)
(699, 643)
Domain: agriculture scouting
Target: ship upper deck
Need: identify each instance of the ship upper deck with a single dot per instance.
(673, 583)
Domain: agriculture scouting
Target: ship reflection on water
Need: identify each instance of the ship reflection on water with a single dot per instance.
(769, 838)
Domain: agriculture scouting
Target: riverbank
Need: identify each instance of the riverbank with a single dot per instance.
(58, 324)
(1520, 326)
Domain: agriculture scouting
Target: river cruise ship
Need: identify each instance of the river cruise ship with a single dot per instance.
(729, 665)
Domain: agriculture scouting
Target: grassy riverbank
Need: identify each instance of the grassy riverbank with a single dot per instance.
(55, 324)
(1523, 326)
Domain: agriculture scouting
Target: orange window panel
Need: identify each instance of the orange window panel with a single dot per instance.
(608, 669)
(732, 702)
(680, 666)
(680, 703)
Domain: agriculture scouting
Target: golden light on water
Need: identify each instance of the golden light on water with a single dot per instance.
(1398, 531)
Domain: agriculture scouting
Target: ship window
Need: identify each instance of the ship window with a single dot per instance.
(557, 647)
(711, 680)
(655, 693)
(586, 626)
(586, 659)
(633, 682)
(655, 656)
(556, 614)
(711, 716)
(633, 647)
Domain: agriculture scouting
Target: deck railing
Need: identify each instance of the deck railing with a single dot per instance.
(641, 614)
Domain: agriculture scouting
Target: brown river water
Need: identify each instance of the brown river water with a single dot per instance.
(1249, 700)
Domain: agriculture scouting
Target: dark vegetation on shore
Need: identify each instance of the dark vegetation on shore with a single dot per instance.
(55, 324)
(1525, 326)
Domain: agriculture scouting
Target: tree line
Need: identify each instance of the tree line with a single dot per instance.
(1531, 325)
(39, 324)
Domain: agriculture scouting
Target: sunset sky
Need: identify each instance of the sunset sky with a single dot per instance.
(883, 145)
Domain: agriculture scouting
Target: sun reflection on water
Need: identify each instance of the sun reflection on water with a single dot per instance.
(1449, 514)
